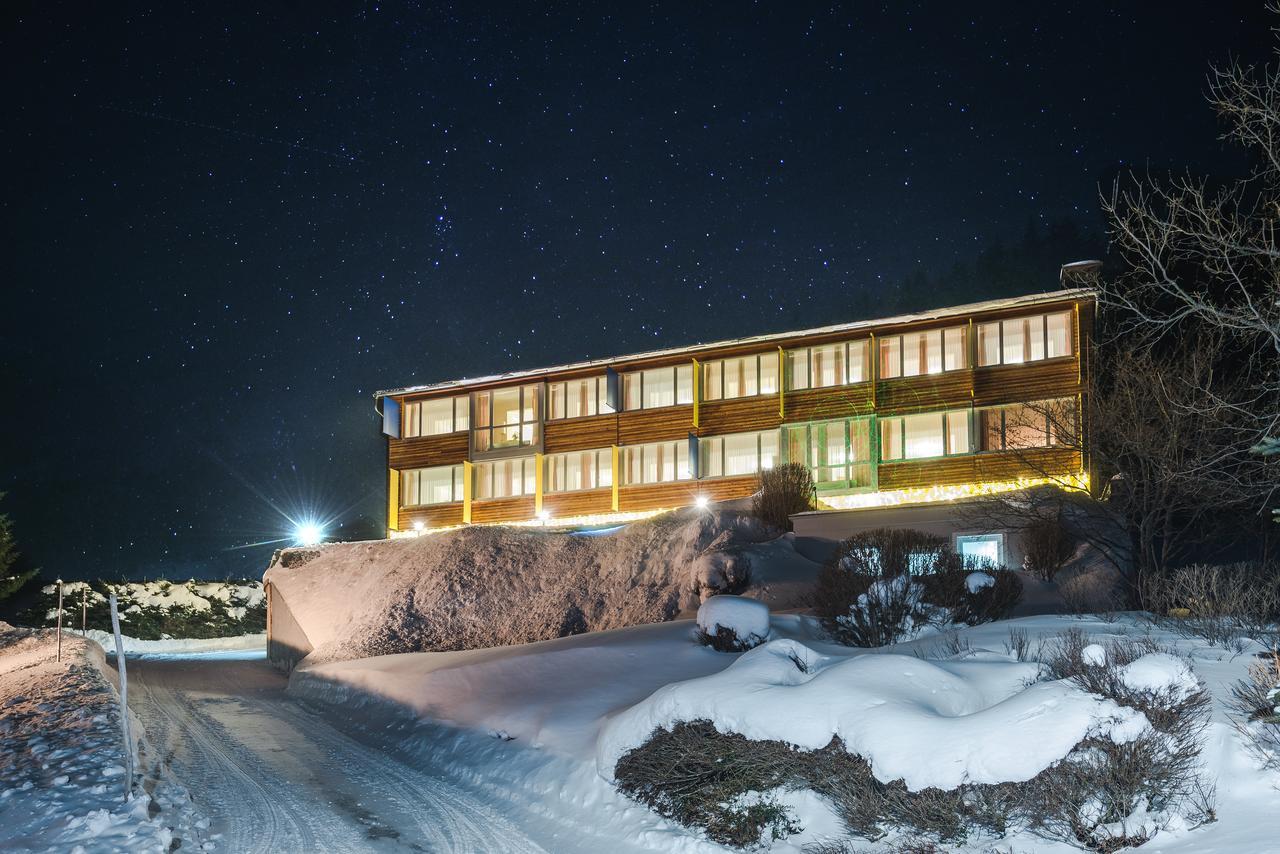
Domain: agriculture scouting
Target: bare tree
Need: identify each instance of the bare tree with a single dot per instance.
(1200, 255)
(1161, 453)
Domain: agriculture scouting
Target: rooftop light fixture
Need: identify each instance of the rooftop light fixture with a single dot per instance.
(309, 534)
(701, 502)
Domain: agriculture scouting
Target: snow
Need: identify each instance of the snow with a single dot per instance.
(1094, 654)
(746, 618)
(1160, 672)
(61, 757)
(533, 721)
(176, 646)
(975, 582)
(982, 723)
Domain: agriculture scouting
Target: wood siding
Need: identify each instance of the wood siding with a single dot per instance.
(588, 501)
(431, 516)
(1026, 382)
(655, 425)
(445, 450)
(580, 434)
(740, 415)
(502, 509)
(825, 404)
(683, 493)
(979, 468)
(917, 394)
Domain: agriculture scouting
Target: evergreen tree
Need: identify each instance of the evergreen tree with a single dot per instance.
(10, 581)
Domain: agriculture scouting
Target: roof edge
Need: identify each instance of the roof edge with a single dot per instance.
(852, 326)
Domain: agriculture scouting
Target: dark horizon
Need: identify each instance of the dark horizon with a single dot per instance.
(229, 228)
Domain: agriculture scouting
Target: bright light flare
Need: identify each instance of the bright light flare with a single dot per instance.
(309, 534)
(701, 502)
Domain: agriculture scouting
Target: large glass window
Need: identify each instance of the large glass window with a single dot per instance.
(504, 478)
(1027, 425)
(914, 354)
(828, 365)
(837, 452)
(737, 453)
(1025, 339)
(744, 376)
(577, 398)
(929, 434)
(660, 462)
(507, 418)
(436, 416)
(439, 485)
(577, 470)
(658, 387)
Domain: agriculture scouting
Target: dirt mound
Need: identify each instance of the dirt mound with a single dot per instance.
(495, 586)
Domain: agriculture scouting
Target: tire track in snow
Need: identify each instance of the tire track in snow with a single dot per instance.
(276, 777)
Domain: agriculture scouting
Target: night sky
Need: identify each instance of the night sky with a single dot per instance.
(225, 229)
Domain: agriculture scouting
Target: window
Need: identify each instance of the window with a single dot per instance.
(657, 387)
(430, 486)
(929, 434)
(577, 398)
(504, 478)
(436, 416)
(661, 462)
(579, 470)
(981, 548)
(914, 354)
(837, 452)
(1025, 339)
(745, 376)
(1027, 425)
(828, 365)
(737, 454)
(507, 418)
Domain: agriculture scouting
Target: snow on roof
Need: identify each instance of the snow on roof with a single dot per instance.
(933, 314)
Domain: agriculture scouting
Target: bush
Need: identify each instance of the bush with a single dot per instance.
(718, 782)
(783, 490)
(1047, 545)
(857, 609)
(729, 623)
(1219, 603)
(1256, 702)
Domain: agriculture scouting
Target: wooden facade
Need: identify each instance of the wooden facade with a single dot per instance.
(968, 388)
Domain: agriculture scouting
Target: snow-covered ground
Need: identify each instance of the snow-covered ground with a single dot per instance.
(557, 713)
(62, 759)
(175, 646)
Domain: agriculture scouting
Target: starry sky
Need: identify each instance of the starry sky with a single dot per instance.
(226, 227)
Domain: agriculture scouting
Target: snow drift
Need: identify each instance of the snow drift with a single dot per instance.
(931, 724)
(496, 586)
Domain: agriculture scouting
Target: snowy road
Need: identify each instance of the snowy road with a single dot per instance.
(276, 776)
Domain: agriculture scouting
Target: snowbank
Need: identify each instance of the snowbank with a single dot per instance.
(496, 586)
(979, 719)
(746, 618)
(61, 760)
(174, 646)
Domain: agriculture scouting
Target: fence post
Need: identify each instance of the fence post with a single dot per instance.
(59, 619)
(84, 609)
(124, 699)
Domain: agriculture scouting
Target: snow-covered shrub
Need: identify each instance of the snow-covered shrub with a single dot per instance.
(1219, 603)
(973, 595)
(784, 489)
(732, 623)
(1105, 795)
(891, 610)
(1255, 700)
(151, 610)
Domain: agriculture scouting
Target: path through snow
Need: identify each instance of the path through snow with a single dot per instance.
(275, 776)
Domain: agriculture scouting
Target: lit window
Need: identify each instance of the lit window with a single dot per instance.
(827, 365)
(440, 485)
(1025, 339)
(435, 417)
(507, 418)
(1028, 425)
(658, 387)
(660, 462)
(737, 454)
(577, 398)
(838, 453)
(579, 470)
(914, 354)
(504, 478)
(981, 548)
(929, 434)
(744, 376)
